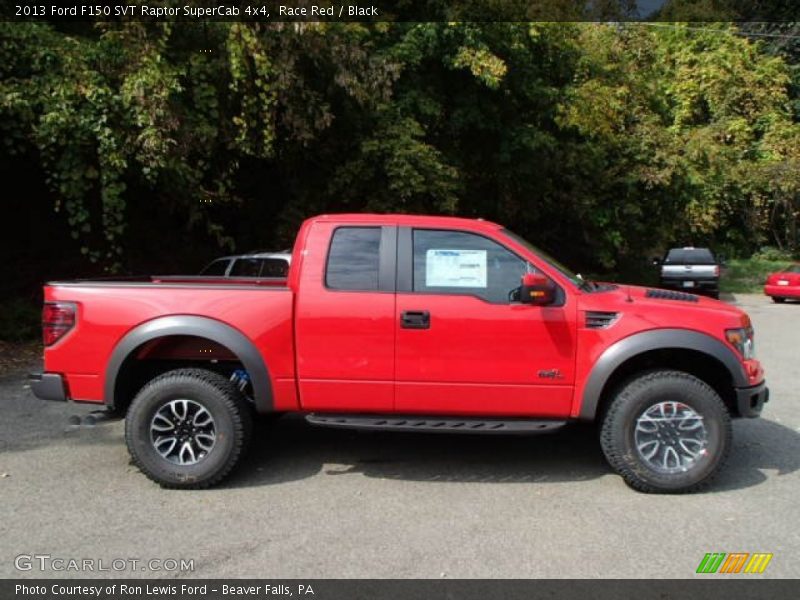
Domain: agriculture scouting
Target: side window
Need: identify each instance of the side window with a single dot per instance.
(246, 267)
(354, 259)
(274, 267)
(216, 268)
(454, 262)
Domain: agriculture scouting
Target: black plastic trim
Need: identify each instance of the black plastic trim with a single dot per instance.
(415, 319)
(672, 295)
(751, 400)
(48, 386)
(215, 331)
(655, 339)
(434, 423)
(405, 260)
(388, 259)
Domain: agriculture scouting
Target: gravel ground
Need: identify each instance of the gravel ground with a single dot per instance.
(323, 503)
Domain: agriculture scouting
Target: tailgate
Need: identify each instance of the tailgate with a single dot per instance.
(689, 271)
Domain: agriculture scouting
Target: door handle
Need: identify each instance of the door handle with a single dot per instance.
(415, 319)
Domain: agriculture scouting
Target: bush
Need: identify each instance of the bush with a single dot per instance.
(20, 320)
(772, 253)
(747, 275)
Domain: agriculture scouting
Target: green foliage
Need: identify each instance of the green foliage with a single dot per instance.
(20, 320)
(771, 253)
(747, 275)
(601, 142)
(693, 136)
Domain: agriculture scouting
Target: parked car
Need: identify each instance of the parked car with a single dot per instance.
(690, 269)
(784, 285)
(256, 264)
(406, 323)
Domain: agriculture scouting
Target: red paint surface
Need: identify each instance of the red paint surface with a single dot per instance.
(789, 289)
(345, 351)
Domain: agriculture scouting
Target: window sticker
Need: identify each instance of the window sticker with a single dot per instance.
(455, 268)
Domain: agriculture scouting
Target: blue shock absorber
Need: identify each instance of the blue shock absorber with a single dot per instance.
(240, 379)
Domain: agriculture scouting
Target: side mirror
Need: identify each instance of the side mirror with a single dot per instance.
(656, 261)
(537, 289)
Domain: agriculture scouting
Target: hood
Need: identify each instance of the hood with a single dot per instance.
(663, 308)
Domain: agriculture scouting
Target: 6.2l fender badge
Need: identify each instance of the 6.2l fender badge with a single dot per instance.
(550, 374)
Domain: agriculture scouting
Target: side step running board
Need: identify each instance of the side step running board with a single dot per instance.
(429, 423)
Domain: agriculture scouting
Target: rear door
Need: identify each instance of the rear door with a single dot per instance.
(344, 319)
(464, 345)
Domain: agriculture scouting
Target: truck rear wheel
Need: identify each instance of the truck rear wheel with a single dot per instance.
(666, 432)
(188, 428)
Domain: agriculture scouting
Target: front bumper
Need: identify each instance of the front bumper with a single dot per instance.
(48, 386)
(750, 400)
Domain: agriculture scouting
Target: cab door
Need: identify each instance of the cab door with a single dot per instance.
(344, 319)
(464, 344)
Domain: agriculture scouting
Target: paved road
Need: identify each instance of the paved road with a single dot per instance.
(323, 503)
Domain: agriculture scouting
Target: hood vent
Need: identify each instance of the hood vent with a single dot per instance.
(599, 319)
(670, 295)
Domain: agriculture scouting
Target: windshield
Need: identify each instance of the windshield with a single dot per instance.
(566, 272)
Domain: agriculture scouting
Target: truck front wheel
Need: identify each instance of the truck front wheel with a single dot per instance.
(666, 432)
(187, 428)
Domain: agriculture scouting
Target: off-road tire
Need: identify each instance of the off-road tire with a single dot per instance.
(232, 416)
(632, 399)
(778, 300)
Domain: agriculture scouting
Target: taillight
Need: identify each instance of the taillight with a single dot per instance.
(716, 271)
(57, 319)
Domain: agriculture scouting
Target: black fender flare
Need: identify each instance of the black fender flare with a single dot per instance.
(655, 339)
(203, 327)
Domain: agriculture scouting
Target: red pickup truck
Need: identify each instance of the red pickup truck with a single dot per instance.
(400, 322)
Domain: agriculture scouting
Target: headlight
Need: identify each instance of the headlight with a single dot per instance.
(742, 340)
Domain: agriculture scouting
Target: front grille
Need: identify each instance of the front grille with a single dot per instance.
(670, 295)
(599, 319)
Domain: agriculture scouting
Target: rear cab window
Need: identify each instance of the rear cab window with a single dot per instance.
(354, 259)
(689, 256)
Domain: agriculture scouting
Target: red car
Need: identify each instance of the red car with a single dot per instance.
(406, 323)
(784, 285)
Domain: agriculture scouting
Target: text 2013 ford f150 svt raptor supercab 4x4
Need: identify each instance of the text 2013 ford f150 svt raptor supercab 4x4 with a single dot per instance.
(405, 323)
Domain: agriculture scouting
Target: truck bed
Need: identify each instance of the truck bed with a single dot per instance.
(107, 309)
(177, 279)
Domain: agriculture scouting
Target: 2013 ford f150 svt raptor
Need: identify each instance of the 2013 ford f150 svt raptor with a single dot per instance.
(405, 323)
